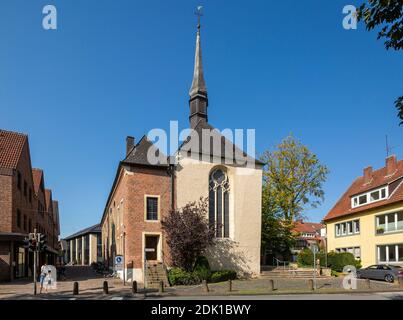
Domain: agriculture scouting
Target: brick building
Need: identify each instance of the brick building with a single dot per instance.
(24, 205)
(140, 197)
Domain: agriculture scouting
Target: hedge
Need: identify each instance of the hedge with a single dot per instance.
(201, 271)
(335, 261)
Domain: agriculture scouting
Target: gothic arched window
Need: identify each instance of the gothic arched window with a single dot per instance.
(219, 203)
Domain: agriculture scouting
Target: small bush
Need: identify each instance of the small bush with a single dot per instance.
(223, 275)
(202, 268)
(179, 277)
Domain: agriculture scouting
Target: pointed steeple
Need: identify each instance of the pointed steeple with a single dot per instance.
(198, 92)
(198, 83)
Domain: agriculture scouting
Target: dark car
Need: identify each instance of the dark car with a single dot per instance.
(381, 272)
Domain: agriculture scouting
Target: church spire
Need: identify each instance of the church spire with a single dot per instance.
(198, 92)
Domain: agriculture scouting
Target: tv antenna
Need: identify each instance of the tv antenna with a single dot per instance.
(388, 147)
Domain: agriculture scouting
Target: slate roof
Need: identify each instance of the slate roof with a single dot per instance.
(203, 126)
(379, 179)
(93, 229)
(138, 155)
(11, 146)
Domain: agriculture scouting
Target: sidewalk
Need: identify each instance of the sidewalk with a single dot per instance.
(93, 289)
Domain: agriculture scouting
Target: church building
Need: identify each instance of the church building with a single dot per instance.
(143, 193)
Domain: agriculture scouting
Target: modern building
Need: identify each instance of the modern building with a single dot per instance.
(83, 247)
(25, 205)
(368, 219)
(144, 192)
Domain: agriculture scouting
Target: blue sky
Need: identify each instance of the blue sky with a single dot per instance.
(122, 67)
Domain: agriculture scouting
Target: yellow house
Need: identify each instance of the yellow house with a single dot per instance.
(368, 219)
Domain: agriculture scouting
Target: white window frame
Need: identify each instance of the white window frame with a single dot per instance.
(355, 200)
(342, 228)
(386, 216)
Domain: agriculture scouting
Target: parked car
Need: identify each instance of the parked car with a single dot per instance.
(381, 272)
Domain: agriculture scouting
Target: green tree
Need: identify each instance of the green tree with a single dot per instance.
(292, 180)
(388, 15)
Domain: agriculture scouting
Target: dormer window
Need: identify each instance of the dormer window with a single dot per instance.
(369, 197)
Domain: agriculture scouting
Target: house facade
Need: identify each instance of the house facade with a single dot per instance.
(144, 192)
(25, 204)
(368, 219)
(308, 235)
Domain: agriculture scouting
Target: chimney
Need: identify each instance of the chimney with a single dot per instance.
(129, 144)
(391, 165)
(367, 175)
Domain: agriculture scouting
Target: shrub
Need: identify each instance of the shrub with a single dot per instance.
(305, 258)
(202, 268)
(222, 275)
(336, 261)
(178, 277)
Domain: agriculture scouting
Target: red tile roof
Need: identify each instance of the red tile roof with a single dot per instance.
(37, 175)
(11, 145)
(307, 227)
(379, 178)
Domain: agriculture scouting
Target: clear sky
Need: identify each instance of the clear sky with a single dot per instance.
(122, 67)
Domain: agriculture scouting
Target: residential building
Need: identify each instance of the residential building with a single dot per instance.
(368, 219)
(308, 235)
(83, 247)
(24, 206)
(144, 192)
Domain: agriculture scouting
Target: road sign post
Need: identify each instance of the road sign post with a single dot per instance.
(315, 250)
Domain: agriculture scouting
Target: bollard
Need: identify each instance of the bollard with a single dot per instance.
(271, 285)
(75, 288)
(205, 286)
(161, 287)
(134, 287)
(229, 285)
(310, 285)
(106, 289)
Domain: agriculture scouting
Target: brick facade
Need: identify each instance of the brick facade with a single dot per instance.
(22, 207)
(125, 212)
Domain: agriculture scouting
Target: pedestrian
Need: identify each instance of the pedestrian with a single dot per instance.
(44, 270)
(48, 281)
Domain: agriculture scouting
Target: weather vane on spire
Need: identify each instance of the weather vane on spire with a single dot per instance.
(199, 13)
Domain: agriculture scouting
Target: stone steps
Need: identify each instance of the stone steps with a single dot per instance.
(156, 273)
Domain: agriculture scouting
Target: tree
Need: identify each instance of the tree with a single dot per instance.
(277, 234)
(188, 233)
(292, 180)
(387, 14)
